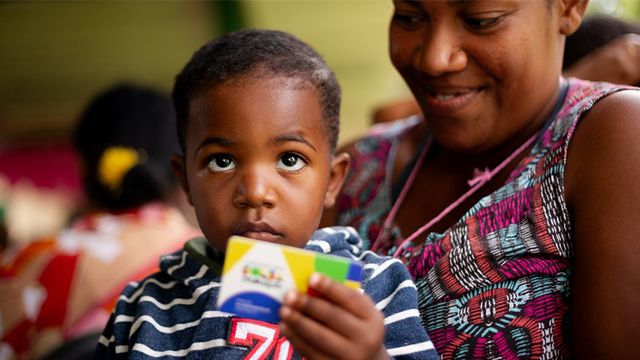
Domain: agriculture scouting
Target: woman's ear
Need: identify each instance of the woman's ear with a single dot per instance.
(179, 167)
(571, 14)
(339, 168)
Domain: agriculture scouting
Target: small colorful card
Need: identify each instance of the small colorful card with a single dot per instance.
(257, 274)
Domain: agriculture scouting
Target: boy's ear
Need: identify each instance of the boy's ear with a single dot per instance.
(179, 167)
(339, 168)
(571, 15)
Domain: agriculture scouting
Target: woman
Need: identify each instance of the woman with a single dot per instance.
(516, 212)
(61, 290)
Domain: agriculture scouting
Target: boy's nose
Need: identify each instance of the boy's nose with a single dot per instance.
(439, 52)
(254, 190)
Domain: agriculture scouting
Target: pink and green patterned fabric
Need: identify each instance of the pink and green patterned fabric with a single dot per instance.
(66, 285)
(497, 284)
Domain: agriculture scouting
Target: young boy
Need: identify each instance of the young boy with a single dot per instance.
(258, 124)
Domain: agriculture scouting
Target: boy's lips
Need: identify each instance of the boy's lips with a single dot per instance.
(258, 231)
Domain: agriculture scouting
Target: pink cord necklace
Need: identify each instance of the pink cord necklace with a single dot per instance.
(480, 177)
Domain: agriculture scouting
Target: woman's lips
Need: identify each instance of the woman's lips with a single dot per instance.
(448, 101)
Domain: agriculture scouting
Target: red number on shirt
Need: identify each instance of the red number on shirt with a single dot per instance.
(246, 331)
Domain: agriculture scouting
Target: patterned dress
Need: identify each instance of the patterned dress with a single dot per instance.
(497, 284)
(62, 287)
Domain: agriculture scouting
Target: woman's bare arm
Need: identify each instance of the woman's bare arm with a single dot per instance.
(603, 194)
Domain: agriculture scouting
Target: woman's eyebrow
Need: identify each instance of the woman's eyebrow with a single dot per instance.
(417, 4)
(411, 3)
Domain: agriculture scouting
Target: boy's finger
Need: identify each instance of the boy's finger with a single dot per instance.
(347, 298)
(307, 349)
(331, 315)
(310, 337)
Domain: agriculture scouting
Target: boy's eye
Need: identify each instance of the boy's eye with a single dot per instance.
(291, 162)
(221, 162)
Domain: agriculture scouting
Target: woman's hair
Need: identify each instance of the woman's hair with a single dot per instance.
(125, 139)
(259, 53)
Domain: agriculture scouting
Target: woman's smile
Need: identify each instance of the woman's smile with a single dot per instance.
(448, 100)
(471, 63)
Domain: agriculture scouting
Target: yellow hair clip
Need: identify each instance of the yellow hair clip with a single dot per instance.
(114, 164)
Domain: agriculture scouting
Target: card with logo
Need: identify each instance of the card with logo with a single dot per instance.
(257, 274)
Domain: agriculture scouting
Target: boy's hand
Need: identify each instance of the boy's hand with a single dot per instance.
(345, 325)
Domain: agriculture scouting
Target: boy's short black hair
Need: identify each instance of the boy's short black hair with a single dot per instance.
(254, 52)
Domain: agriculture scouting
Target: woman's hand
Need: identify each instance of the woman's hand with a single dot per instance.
(344, 325)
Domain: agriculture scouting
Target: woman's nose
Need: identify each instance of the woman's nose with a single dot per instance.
(440, 52)
(255, 189)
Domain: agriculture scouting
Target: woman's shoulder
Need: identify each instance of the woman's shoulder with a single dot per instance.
(579, 100)
(608, 133)
(615, 102)
(393, 128)
(602, 109)
(380, 137)
(377, 148)
(582, 95)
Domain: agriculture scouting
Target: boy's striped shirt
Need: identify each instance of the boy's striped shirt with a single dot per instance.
(172, 314)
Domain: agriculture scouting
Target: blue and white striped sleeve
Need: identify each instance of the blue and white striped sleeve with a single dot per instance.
(113, 343)
(389, 284)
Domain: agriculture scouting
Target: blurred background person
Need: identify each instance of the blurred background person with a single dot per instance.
(63, 288)
(604, 48)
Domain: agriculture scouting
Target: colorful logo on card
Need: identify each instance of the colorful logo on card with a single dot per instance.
(263, 274)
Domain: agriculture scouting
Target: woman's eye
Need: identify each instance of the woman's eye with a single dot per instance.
(483, 23)
(291, 162)
(221, 162)
(405, 20)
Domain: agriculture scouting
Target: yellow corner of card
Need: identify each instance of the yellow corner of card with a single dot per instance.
(352, 284)
(236, 248)
(304, 264)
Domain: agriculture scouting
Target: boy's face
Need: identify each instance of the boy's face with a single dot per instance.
(257, 161)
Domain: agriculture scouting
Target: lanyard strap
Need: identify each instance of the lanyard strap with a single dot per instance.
(480, 178)
(405, 189)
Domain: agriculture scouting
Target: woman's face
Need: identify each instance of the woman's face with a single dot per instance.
(482, 70)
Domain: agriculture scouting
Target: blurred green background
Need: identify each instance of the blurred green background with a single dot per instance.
(55, 55)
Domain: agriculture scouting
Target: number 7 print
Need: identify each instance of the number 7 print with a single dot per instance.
(265, 335)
